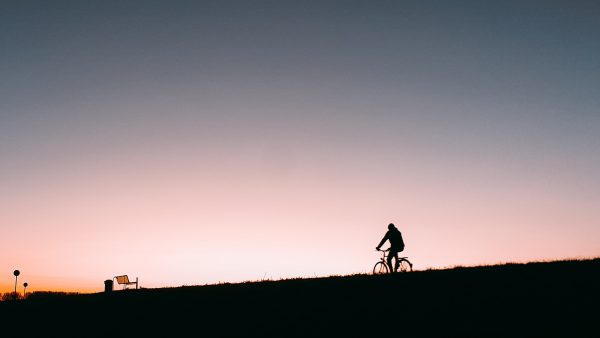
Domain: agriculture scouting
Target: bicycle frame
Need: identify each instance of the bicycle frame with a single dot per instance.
(404, 265)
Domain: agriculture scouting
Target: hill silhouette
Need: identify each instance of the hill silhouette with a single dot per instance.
(553, 299)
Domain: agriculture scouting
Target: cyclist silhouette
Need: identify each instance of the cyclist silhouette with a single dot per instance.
(396, 244)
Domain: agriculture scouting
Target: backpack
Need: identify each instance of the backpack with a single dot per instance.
(398, 241)
(401, 246)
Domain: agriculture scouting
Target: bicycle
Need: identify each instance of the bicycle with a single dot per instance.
(381, 267)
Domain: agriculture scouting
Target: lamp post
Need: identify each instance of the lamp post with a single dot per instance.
(16, 273)
(25, 285)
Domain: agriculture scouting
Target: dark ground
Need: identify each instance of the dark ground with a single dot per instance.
(557, 299)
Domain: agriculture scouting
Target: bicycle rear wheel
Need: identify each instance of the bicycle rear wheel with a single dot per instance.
(380, 268)
(405, 265)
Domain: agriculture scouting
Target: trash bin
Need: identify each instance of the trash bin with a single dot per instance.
(108, 286)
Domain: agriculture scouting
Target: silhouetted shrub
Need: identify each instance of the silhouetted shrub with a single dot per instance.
(49, 294)
(11, 296)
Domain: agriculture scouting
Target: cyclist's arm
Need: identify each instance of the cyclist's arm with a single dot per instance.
(385, 238)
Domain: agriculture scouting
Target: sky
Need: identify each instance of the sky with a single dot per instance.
(198, 142)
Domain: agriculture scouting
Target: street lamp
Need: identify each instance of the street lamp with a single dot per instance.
(25, 285)
(16, 273)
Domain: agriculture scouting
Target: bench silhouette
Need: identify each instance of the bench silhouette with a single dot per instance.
(124, 280)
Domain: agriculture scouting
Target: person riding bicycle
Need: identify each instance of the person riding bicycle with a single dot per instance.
(396, 245)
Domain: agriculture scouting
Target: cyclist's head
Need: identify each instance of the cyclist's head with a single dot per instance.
(391, 226)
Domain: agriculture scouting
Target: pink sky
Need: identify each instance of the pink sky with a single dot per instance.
(172, 219)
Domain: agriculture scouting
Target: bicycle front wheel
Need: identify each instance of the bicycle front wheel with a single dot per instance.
(380, 268)
(405, 266)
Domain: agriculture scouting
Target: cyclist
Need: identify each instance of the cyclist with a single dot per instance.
(396, 245)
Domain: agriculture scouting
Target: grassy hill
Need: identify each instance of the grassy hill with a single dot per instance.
(556, 299)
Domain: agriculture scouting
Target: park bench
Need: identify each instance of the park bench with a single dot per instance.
(124, 280)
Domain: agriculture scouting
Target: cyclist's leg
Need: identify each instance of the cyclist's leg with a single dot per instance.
(389, 261)
(393, 254)
(397, 261)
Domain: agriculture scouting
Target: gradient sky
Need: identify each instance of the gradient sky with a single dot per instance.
(192, 142)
